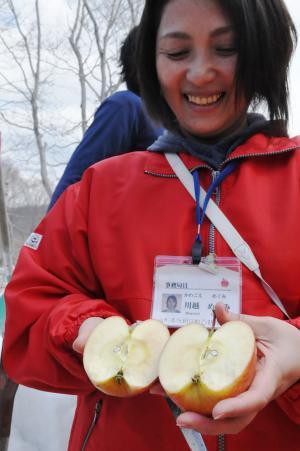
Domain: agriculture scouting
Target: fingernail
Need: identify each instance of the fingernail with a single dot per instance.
(179, 424)
(217, 417)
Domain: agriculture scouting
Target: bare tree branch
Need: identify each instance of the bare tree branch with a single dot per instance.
(74, 41)
(14, 124)
(88, 54)
(4, 228)
(32, 84)
(35, 108)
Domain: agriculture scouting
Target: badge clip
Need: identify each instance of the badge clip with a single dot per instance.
(208, 264)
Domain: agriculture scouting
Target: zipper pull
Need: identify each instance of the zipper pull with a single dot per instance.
(215, 174)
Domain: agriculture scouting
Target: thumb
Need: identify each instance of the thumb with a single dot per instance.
(224, 315)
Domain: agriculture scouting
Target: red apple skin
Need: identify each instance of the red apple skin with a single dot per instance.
(120, 389)
(194, 399)
(112, 388)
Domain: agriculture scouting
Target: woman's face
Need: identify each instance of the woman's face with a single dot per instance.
(196, 63)
(171, 303)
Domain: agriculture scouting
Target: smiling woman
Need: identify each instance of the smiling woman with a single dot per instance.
(196, 67)
(231, 54)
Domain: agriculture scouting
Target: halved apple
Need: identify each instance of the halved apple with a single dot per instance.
(198, 369)
(122, 360)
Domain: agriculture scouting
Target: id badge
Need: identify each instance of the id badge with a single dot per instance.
(184, 293)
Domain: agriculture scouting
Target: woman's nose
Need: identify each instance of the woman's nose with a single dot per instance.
(201, 71)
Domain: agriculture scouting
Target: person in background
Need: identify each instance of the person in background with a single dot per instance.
(120, 124)
(202, 65)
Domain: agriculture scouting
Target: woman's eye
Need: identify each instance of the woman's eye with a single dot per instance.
(226, 51)
(177, 55)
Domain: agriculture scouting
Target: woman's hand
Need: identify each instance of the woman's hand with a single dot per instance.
(84, 332)
(278, 368)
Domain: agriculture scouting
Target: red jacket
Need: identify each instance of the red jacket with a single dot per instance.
(96, 259)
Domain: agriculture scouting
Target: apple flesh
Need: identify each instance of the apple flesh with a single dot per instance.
(198, 369)
(122, 360)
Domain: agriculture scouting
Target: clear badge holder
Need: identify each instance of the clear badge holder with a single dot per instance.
(184, 293)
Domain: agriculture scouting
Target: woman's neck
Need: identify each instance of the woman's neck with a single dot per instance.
(235, 129)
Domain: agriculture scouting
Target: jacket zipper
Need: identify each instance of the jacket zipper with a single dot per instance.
(174, 176)
(211, 239)
(98, 408)
(289, 149)
(221, 442)
(211, 247)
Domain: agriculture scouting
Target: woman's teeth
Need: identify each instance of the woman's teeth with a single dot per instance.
(204, 100)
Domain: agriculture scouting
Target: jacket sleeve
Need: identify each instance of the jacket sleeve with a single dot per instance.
(54, 288)
(290, 400)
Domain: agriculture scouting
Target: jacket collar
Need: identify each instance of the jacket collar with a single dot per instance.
(257, 145)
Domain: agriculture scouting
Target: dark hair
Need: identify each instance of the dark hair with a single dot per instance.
(173, 298)
(266, 37)
(127, 61)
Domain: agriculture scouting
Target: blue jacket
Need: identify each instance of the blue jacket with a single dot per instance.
(120, 125)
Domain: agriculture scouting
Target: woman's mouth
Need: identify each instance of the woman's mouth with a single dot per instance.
(205, 101)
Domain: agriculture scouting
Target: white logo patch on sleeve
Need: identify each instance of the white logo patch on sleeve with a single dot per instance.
(33, 241)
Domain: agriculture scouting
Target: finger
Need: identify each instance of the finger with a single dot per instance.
(258, 324)
(260, 393)
(84, 332)
(209, 426)
(224, 315)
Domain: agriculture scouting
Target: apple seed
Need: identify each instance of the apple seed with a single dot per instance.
(119, 377)
(196, 379)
